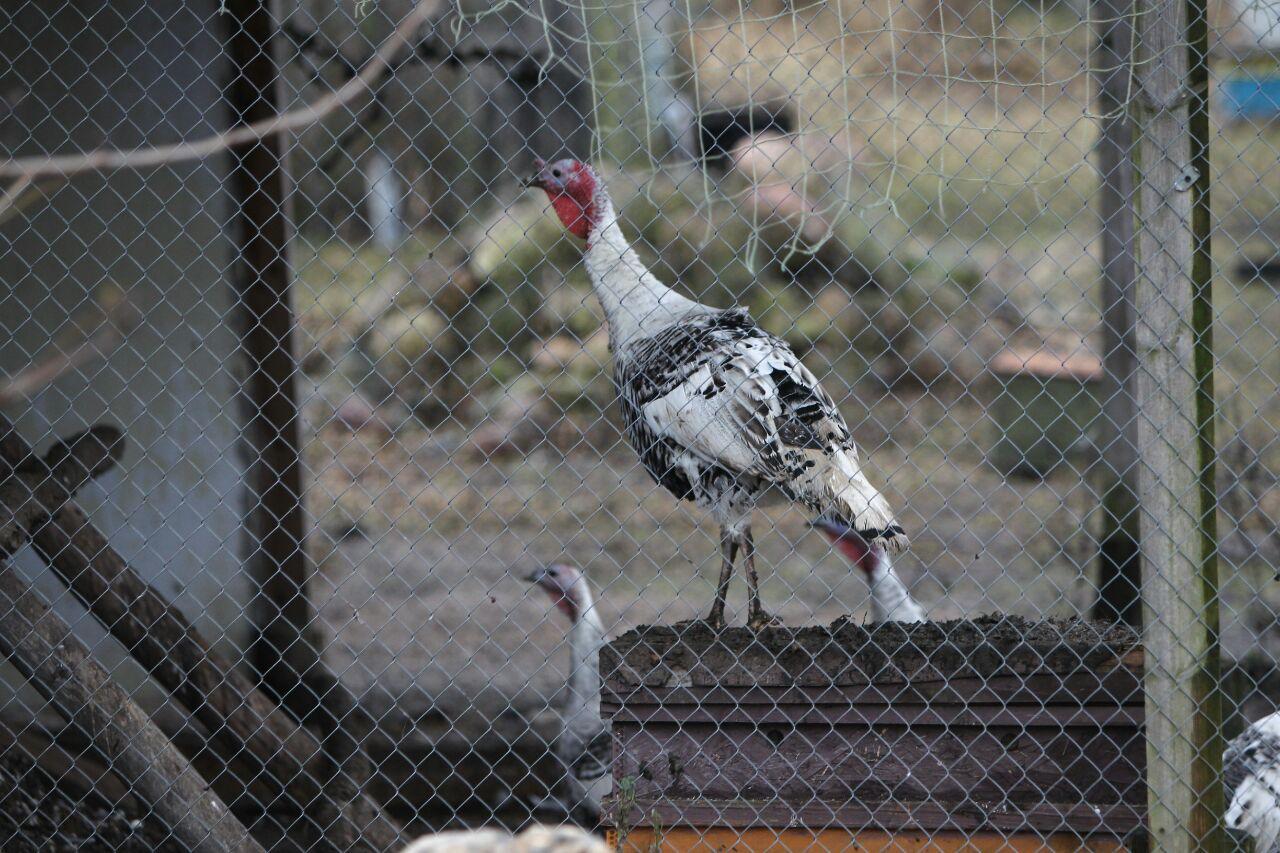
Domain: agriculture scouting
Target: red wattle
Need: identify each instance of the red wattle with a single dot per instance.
(572, 215)
(856, 550)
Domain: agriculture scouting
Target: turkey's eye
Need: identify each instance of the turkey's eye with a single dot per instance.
(552, 572)
(555, 173)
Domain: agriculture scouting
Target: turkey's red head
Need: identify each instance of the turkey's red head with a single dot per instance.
(847, 541)
(561, 582)
(572, 187)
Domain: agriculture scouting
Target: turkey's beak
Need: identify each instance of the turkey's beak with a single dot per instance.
(536, 179)
(536, 575)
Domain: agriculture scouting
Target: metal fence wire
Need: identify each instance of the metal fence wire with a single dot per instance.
(667, 424)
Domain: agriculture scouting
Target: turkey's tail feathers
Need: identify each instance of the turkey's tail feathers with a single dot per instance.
(858, 504)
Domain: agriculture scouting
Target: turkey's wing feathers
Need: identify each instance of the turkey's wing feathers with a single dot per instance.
(738, 397)
(594, 760)
(1251, 771)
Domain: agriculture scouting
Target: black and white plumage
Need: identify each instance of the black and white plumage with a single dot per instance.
(584, 745)
(1251, 774)
(721, 412)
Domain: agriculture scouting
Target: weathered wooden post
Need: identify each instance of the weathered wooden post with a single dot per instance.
(44, 649)
(42, 646)
(283, 649)
(1175, 431)
(1116, 471)
(243, 724)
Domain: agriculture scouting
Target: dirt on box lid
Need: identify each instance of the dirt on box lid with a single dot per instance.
(692, 654)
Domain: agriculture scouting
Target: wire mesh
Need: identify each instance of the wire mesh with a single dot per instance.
(428, 480)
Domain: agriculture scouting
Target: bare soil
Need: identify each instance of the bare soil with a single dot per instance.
(847, 652)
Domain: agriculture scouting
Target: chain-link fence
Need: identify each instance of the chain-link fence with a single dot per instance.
(382, 452)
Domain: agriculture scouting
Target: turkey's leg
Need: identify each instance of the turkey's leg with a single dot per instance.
(756, 617)
(728, 551)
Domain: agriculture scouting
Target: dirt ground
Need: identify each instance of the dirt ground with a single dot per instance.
(426, 608)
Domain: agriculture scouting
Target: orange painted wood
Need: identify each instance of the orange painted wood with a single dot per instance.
(757, 839)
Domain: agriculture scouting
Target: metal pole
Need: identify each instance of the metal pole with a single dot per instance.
(1175, 430)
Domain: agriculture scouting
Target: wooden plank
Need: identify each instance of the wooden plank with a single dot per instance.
(1007, 769)
(925, 816)
(1175, 432)
(1119, 687)
(718, 839)
(843, 654)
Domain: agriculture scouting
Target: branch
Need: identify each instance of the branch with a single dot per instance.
(19, 195)
(30, 168)
(67, 355)
(524, 68)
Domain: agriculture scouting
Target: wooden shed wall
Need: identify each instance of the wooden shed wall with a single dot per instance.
(125, 73)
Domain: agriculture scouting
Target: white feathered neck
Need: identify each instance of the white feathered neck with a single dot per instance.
(586, 637)
(635, 303)
(890, 599)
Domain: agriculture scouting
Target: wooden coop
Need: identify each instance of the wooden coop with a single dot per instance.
(998, 733)
(1047, 401)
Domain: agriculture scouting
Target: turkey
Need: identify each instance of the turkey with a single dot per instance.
(584, 745)
(1251, 771)
(537, 839)
(890, 600)
(721, 412)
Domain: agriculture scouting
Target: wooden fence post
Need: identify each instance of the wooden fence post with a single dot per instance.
(1175, 429)
(284, 649)
(1116, 470)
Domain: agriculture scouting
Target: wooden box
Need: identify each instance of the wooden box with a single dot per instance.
(1001, 729)
(1044, 410)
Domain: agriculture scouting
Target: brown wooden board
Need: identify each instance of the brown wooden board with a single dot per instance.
(999, 724)
(725, 840)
